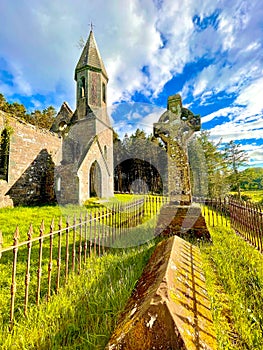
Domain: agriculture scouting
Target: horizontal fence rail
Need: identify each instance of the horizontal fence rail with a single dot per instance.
(40, 266)
(246, 218)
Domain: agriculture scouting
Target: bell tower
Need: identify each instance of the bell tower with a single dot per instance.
(91, 80)
(86, 168)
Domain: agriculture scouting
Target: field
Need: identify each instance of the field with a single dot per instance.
(254, 196)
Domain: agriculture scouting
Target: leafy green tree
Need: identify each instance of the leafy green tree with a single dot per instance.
(252, 178)
(42, 119)
(198, 168)
(133, 162)
(235, 158)
(3, 102)
(208, 166)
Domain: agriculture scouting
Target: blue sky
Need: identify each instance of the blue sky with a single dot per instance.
(208, 51)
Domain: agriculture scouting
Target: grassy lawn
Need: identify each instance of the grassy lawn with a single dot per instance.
(234, 276)
(85, 312)
(113, 274)
(254, 196)
(22, 217)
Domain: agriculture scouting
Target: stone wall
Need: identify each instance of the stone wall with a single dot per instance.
(33, 155)
(102, 152)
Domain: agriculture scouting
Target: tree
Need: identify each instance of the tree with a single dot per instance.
(42, 119)
(138, 160)
(252, 179)
(235, 158)
(3, 102)
(207, 166)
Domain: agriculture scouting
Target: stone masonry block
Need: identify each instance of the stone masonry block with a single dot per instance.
(169, 308)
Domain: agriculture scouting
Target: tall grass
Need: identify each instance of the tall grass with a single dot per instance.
(234, 277)
(85, 312)
(104, 285)
(22, 217)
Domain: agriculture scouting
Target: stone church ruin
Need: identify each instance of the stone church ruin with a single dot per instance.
(74, 160)
(86, 169)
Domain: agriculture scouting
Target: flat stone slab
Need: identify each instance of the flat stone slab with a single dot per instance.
(183, 221)
(169, 308)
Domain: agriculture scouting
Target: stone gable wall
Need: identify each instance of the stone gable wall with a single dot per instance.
(32, 157)
(96, 152)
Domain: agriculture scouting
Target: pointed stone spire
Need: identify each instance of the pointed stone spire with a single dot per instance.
(90, 57)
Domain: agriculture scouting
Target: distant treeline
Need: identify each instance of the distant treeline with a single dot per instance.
(42, 119)
(140, 164)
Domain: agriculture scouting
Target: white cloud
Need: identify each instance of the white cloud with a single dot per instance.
(39, 42)
(251, 97)
(224, 112)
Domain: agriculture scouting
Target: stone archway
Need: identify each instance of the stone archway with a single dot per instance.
(95, 180)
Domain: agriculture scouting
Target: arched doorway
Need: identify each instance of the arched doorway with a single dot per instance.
(95, 180)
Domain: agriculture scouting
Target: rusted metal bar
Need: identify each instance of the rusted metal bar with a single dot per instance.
(114, 223)
(94, 230)
(74, 244)
(59, 255)
(107, 228)
(27, 277)
(40, 256)
(90, 233)
(50, 259)
(257, 223)
(98, 231)
(112, 228)
(261, 229)
(67, 251)
(85, 237)
(103, 230)
(13, 284)
(80, 243)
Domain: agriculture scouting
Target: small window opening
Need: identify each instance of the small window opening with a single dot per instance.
(104, 92)
(4, 154)
(58, 184)
(82, 87)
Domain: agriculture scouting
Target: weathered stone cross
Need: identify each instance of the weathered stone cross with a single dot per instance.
(175, 127)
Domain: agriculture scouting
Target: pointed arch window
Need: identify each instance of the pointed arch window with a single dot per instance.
(58, 184)
(4, 154)
(82, 87)
(104, 92)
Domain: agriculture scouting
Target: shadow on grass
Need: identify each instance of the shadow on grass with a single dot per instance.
(85, 313)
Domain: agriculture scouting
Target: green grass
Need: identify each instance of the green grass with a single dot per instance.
(85, 312)
(22, 216)
(254, 196)
(234, 278)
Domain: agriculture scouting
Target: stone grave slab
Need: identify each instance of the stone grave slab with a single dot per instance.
(169, 308)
